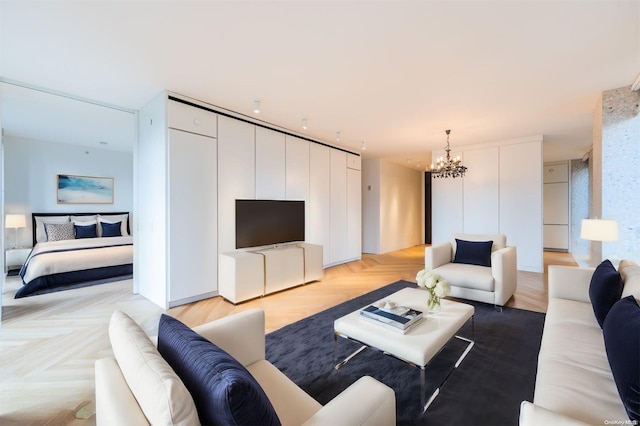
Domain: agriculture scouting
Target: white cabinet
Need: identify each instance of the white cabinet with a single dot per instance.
(313, 270)
(270, 164)
(556, 206)
(556, 172)
(297, 176)
(354, 214)
(481, 198)
(192, 119)
(176, 243)
(521, 201)
(338, 221)
(236, 175)
(354, 162)
(14, 258)
(320, 198)
(283, 268)
(246, 275)
(192, 236)
(241, 276)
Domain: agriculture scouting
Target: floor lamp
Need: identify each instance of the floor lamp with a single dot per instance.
(15, 221)
(599, 230)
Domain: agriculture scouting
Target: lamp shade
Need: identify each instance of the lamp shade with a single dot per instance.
(599, 230)
(15, 221)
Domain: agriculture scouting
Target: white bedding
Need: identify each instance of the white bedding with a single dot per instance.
(56, 257)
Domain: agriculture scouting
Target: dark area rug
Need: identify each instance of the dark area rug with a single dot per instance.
(486, 389)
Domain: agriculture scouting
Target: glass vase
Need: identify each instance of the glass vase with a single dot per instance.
(434, 305)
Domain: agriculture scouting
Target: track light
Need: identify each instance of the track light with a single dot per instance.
(364, 146)
(304, 123)
(256, 106)
(338, 135)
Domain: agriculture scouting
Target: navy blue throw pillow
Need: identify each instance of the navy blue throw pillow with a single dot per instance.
(85, 231)
(605, 289)
(473, 252)
(622, 340)
(111, 229)
(224, 392)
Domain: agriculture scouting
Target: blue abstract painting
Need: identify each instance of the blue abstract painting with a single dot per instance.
(84, 190)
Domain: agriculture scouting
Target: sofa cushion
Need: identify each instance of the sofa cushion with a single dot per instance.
(162, 396)
(499, 240)
(473, 252)
(622, 341)
(605, 289)
(630, 273)
(224, 392)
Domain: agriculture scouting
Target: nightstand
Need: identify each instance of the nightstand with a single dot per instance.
(14, 259)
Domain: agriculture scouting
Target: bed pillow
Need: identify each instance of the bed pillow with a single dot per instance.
(162, 396)
(113, 218)
(111, 229)
(85, 229)
(621, 333)
(224, 392)
(83, 218)
(41, 233)
(605, 289)
(473, 252)
(60, 231)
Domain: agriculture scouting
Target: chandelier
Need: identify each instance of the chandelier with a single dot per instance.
(448, 168)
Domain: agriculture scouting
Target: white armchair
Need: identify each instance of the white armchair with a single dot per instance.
(490, 284)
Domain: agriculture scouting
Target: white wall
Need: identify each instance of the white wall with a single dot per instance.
(392, 209)
(31, 169)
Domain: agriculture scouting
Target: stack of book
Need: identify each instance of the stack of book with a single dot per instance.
(399, 319)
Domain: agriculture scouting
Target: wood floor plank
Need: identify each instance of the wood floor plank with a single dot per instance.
(49, 343)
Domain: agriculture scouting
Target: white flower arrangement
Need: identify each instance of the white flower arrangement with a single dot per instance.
(435, 285)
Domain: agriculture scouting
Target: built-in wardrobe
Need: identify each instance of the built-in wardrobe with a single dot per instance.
(193, 160)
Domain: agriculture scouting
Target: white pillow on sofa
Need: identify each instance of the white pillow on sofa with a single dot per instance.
(630, 273)
(162, 396)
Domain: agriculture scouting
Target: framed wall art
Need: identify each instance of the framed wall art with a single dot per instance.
(84, 190)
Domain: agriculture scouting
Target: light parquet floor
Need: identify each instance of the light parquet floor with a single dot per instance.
(48, 343)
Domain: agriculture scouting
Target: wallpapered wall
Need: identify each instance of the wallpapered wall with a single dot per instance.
(31, 168)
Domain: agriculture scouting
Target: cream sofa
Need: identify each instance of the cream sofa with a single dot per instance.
(495, 284)
(365, 402)
(574, 383)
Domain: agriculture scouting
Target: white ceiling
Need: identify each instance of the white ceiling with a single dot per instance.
(395, 74)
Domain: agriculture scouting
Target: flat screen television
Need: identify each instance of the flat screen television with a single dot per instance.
(267, 222)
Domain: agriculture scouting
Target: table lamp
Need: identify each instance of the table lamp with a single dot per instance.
(15, 221)
(599, 230)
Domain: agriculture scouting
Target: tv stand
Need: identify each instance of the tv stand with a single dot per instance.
(246, 275)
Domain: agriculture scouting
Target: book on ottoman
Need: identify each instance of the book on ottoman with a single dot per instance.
(398, 319)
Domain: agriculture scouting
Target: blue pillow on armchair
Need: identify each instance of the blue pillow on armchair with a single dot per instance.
(224, 392)
(473, 252)
(605, 289)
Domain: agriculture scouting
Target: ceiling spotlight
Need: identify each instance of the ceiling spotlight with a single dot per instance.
(408, 160)
(256, 106)
(338, 135)
(304, 123)
(364, 146)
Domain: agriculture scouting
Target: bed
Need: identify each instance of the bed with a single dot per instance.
(74, 250)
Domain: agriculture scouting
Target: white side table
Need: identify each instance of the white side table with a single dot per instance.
(14, 259)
